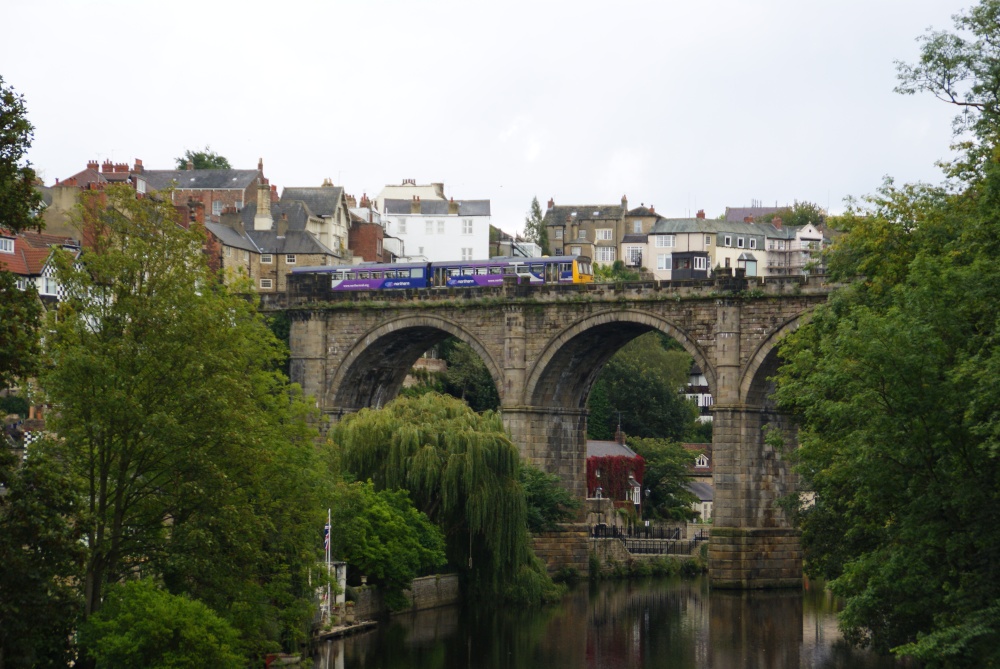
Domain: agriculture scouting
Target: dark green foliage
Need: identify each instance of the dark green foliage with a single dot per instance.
(206, 159)
(801, 213)
(142, 626)
(895, 383)
(548, 503)
(461, 469)
(42, 559)
(617, 271)
(381, 535)
(466, 378)
(602, 419)
(14, 404)
(19, 200)
(668, 470)
(642, 384)
(534, 227)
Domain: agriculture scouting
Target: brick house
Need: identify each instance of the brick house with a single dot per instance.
(615, 472)
(217, 189)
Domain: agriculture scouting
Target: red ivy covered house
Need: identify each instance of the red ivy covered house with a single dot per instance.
(615, 471)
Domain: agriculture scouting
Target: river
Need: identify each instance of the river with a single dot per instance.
(616, 625)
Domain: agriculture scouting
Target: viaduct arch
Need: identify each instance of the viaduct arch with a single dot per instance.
(544, 346)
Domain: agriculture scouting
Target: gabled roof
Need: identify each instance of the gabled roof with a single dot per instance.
(438, 207)
(583, 212)
(740, 214)
(321, 200)
(84, 178)
(294, 241)
(32, 251)
(672, 226)
(230, 237)
(296, 211)
(201, 179)
(601, 449)
(703, 491)
(643, 211)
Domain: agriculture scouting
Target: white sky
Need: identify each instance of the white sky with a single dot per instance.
(690, 105)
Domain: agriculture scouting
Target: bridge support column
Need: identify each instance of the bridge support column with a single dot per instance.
(554, 440)
(752, 544)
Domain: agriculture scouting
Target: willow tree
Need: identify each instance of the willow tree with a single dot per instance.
(461, 469)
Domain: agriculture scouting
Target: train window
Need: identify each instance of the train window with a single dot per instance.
(402, 273)
(508, 270)
(376, 275)
(363, 275)
(389, 274)
(468, 271)
(537, 269)
(416, 273)
(481, 271)
(497, 270)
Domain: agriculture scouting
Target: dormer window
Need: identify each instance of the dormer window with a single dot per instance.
(701, 461)
(6, 245)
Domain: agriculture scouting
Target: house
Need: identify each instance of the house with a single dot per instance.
(680, 248)
(28, 256)
(638, 223)
(438, 229)
(366, 237)
(504, 245)
(407, 190)
(615, 472)
(325, 213)
(701, 484)
(791, 250)
(593, 230)
(217, 189)
(698, 391)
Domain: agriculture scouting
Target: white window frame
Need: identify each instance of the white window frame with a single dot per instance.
(728, 241)
(266, 284)
(637, 227)
(246, 255)
(440, 227)
(229, 251)
(753, 243)
(289, 258)
(429, 227)
(666, 241)
(576, 250)
(216, 207)
(49, 286)
(700, 263)
(402, 226)
(739, 242)
(708, 240)
(581, 234)
(466, 253)
(558, 233)
(467, 226)
(604, 234)
(265, 259)
(665, 261)
(605, 254)
(632, 254)
(6, 245)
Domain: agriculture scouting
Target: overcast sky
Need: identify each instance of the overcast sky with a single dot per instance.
(682, 105)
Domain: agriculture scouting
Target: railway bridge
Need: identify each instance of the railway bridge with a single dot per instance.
(544, 347)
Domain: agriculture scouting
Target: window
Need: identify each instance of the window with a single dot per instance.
(665, 241)
(49, 286)
(246, 255)
(558, 234)
(708, 240)
(402, 226)
(700, 263)
(753, 243)
(229, 251)
(239, 204)
(6, 245)
(22, 283)
(604, 234)
(637, 227)
(728, 241)
(702, 461)
(664, 261)
(633, 255)
(440, 227)
(727, 262)
(605, 254)
(265, 258)
(290, 259)
(466, 254)
(266, 284)
(467, 226)
(582, 234)
(216, 207)
(429, 227)
(739, 242)
(575, 250)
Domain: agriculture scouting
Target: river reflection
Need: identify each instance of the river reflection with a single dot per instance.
(616, 625)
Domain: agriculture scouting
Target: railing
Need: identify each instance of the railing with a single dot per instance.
(660, 546)
(602, 531)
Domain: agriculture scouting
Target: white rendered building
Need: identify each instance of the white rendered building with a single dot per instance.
(440, 229)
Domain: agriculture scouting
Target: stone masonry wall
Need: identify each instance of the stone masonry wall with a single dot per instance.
(565, 549)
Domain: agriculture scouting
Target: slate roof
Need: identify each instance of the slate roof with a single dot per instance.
(439, 207)
(711, 227)
(703, 491)
(600, 449)
(201, 179)
(231, 237)
(584, 212)
(643, 211)
(298, 214)
(635, 238)
(321, 200)
(294, 241)
(84, 178)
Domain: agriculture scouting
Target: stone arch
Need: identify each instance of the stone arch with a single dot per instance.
(372, 372)
(568, 366)
(755, 386)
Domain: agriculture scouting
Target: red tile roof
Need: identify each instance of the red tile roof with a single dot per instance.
(26, 260)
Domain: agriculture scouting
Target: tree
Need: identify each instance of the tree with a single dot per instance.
(19, 204)
(462, 470)
(196, 460)
(380, 534)
(42, 557)
(466, 377)
(143, 626)
(642, 384)
(894, 382)
(206, 159)
(616, 271)
(534, 227)
(801, 213)
(548, 502)
(668, 470)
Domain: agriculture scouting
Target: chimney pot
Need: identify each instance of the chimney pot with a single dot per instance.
(552, 203)
(260, 164)
(701, 214)
(776, 222)
(190, 165)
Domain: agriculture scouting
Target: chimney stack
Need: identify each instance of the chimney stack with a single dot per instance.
(552, 203)
(624, 203)
(283, 225)
(652, 209)
(748, 219)
(415, 205)
(700, 214)
(107, 167)
(260, 165)
(92, 165)
(138, 166)
(452, 207)
(776, 222)
(262, 218)
(190, 165)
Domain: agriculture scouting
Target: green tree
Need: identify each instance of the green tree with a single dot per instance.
(534, 227)
(616, 271)
(547, 501)
(642, 384)
(466, 378)
(801, 213)
(668, 471)
(206, 159)
(143, 626)
(462, 470)
(196, 460)
(20, 202)
(42, 558)
(381, 534)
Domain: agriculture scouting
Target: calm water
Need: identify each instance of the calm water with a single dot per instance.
(622, 625)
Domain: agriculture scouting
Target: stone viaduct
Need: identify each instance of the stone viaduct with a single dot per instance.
(544, 347)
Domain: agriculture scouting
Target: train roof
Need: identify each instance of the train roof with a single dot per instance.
(499, 260)
(364, 267)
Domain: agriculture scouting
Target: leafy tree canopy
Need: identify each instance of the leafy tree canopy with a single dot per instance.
(668, 470)
(206, 159)
(466, 378)
(801, 213)
(548, 502)
(616, 271)
(462, 470)
(144, 626)
(534, 227)
(195, 455)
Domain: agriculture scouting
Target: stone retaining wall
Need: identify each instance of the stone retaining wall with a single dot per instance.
(567, 549)
(425, 593)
